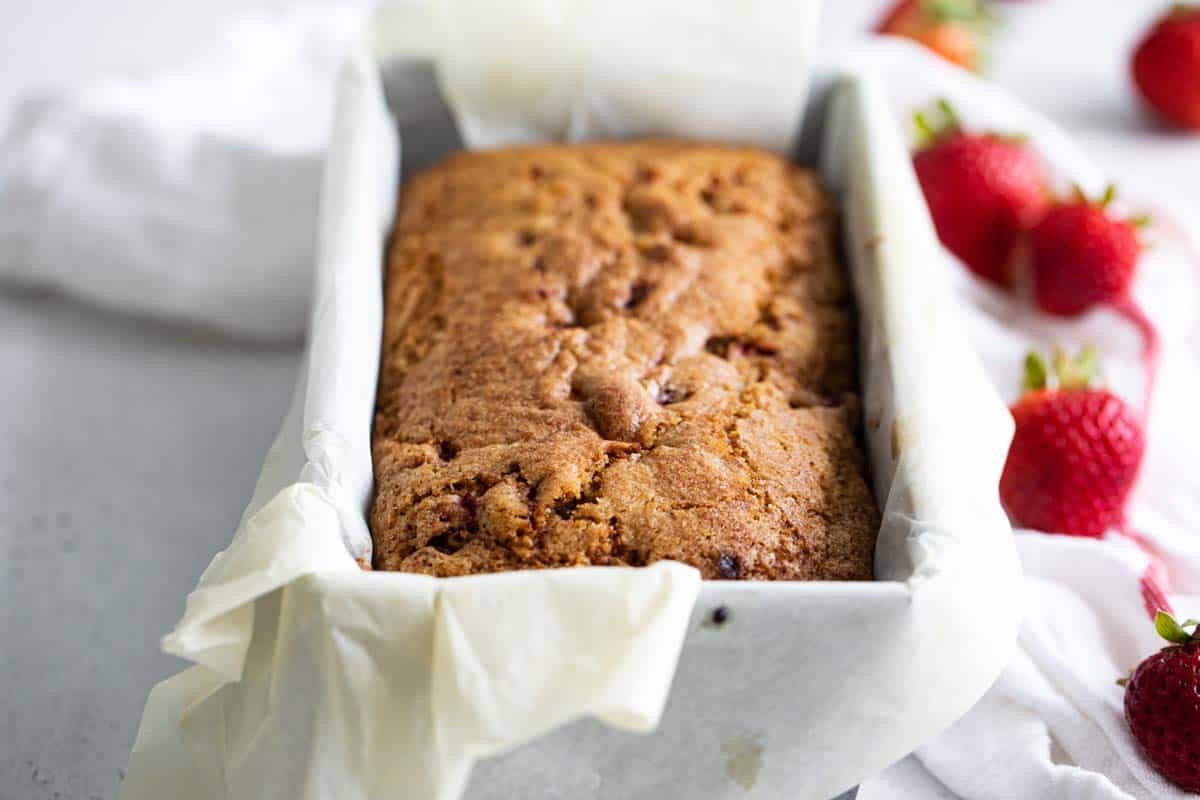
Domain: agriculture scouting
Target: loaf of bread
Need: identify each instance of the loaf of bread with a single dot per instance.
(612, 354)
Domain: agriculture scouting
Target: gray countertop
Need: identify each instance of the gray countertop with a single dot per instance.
(128, 448)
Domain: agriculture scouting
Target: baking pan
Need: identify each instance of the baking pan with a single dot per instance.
(314, 674)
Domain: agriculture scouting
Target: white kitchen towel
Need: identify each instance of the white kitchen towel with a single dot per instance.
(193, 196)
(1053, 725)
(188, 195)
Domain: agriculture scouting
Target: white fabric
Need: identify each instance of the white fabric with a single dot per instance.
(162, 196)
(1053, 725)
(190, 195)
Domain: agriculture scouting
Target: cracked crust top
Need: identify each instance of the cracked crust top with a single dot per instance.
(614, 354)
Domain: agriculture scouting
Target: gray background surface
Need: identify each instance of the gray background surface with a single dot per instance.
(128, 448)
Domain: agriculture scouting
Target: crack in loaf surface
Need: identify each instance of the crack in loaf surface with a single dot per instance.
(614, 354)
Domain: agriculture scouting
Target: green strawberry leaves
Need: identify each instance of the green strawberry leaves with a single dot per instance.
(1078, 372)
(1037, 372)
(931, 129)
(942, 121)
(1078, 195)
(1173, 631)
(971, 12)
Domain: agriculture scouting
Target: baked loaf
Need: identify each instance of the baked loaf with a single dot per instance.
(615, 354)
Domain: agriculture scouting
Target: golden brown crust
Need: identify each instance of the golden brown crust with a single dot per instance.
(614, 354)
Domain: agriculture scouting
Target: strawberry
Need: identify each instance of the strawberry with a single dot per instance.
(1082, 256)
(1162, 704)
(983, 191)
(957, 30)
(1166, 66)
(1076, 452)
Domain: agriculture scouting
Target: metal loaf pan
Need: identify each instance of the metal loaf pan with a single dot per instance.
(312, 673)
(807, 688)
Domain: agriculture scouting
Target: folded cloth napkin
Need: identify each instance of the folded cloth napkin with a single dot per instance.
(1053, 725)
(193, 196)
(190, 195)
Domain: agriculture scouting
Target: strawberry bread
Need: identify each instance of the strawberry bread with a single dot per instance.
(613, 354)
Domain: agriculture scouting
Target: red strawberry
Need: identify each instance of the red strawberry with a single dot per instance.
(983, 191)
(1075, 454)
(957, 30)
(1162, 704)
(1082, 256)
(1166, 66)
